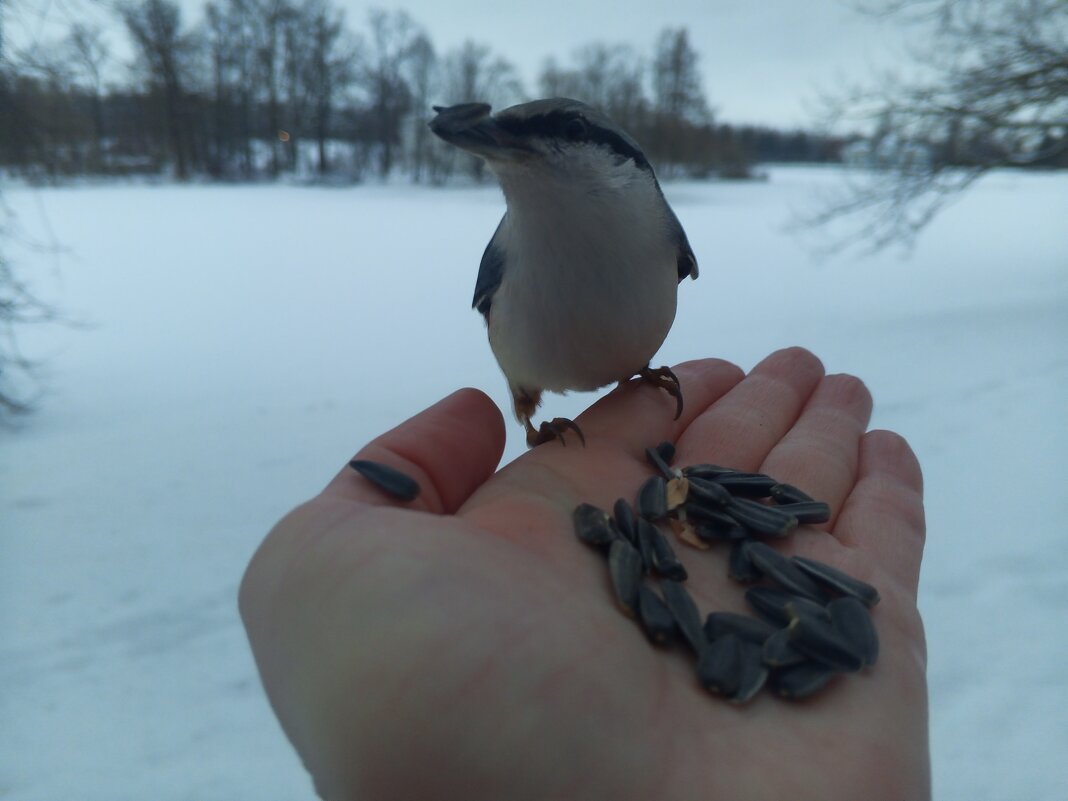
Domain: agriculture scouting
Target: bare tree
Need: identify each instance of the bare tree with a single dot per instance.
(677, 90)
(155, 26)
(423, 80)
(89, 53)
(994, 93)
(394, 37)
(329, 68)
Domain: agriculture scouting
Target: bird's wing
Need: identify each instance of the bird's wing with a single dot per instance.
(489, 273)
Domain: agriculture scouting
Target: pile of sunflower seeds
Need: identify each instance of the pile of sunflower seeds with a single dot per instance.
(812, 620)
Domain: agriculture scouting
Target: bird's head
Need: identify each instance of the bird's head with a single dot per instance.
(552, 139)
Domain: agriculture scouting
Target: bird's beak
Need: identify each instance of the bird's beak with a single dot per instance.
(469, 126)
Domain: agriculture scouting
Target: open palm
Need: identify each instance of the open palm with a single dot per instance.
(466, 646)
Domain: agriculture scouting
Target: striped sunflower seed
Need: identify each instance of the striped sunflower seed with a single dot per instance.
(664, 560)
(779, 653)
(747, 485)
(750, 629)
(592, 525)
(752, 672)
(800, 681)
(646, 534)
(388, 479)
(784, 572)
(719, 665)
(709, 471)
(764, 520)
(788, 493)
(739, 566)
(684, 609)
(710, 493)
(625, 570)
(807, 511)
(822, 643)
(712, 524)
(652, 499)
(657, 622)
(626, 521)
(851, 619)
(837, 580)
(780, 607)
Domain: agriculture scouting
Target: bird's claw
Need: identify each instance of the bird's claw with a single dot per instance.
(665, 379)
(553, 429)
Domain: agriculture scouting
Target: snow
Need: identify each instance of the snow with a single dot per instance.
(239, 343)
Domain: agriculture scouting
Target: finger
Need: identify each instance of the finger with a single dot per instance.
(638, 415)
(883, 515)
(742, 427)
(819, 454)
(451, 449)
(618, 428)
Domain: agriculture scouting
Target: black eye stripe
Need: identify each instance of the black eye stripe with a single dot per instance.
(558, 125)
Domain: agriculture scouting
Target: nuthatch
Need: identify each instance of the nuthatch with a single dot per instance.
(578, 285)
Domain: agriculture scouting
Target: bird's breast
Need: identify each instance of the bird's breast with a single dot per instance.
(587, 295)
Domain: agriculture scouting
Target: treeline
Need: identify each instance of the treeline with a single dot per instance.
(264, 88)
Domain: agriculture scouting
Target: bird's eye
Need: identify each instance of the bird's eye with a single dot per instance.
(575, 128)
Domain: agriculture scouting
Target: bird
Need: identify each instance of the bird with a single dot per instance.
(579, 283)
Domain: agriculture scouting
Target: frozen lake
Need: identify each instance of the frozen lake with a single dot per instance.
(240, 343)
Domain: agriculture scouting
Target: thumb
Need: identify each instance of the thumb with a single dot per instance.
(450, 449)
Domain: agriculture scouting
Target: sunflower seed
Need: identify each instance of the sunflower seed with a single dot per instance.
(751, 629)
(656, 619)
(676, 492)
(718, 665)
(592, 525)
(388, 479)
(779, 653)
(667, 451)
(821, 642)
(788, 493)
(800, 681)
(709, 471)
(784, 572)
(657, 460)
(760, 519)
(739, 566)
(716, 526)
(747, 485)
(837, 580)
(851, 619)
(626, 522)
(652, 499)
(684, 610)
(712, 494)
(664, 560)
(807, 511)
(752, 672)
(625, 569)
(646, 534)
(780, 607)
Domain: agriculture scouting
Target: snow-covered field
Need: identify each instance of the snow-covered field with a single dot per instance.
(242, 342)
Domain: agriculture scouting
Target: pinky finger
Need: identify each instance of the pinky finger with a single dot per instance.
(883, 515)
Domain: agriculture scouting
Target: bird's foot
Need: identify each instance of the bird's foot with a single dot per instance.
(552, 429)
(663, 378)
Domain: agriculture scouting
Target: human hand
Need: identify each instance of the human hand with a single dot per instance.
(466, 645)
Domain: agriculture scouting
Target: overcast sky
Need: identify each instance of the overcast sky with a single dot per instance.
(763, 61)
